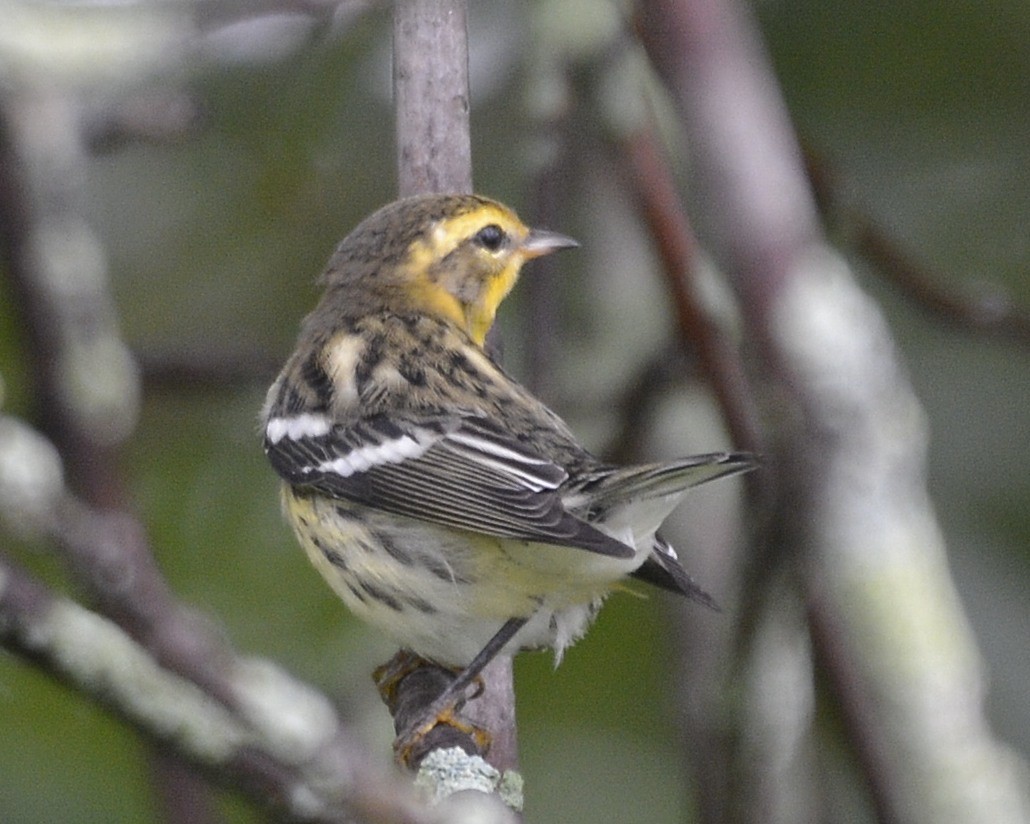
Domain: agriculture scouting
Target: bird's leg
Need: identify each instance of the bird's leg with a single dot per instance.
(444, 708)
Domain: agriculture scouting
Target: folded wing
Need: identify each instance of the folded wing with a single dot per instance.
(458, 471)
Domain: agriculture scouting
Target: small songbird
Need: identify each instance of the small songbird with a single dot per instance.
(443, 502)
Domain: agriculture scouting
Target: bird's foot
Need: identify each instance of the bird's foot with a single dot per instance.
(438, 725)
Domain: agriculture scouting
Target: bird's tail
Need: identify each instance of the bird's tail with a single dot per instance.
(619, 486)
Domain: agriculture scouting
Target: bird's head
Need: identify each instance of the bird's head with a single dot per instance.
(452, 256)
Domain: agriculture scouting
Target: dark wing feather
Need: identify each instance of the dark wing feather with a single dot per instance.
(662, 569)
(460, 472)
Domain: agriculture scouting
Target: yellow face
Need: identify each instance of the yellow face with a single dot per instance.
(465, 265)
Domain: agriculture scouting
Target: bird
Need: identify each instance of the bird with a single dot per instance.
(442, 501)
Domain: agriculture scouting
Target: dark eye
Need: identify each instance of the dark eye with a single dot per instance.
(490, 237)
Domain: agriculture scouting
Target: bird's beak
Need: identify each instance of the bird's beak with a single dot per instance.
(541, 242)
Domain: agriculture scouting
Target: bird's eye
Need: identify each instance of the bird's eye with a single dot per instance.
(490, 237)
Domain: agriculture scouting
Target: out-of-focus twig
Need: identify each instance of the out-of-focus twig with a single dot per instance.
(156, 118)
(191, 371)
(85, 384)
(670, 227)
(992, 314)
(85, 381)
(638, 399)
(543, 309)
(279, 742)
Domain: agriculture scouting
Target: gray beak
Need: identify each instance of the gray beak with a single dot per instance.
(541, 242)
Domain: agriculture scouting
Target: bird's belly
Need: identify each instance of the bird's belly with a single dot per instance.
(444, 593)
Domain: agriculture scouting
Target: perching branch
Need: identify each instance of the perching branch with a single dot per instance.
(431, 96)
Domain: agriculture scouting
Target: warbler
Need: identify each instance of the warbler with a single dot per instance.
(441, 500)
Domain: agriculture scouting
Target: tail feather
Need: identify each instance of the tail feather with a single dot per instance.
(654, 481)
(663, 570)
(657, 480)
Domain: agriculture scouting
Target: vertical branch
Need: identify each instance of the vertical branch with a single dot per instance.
(431, 95)
(706, 645)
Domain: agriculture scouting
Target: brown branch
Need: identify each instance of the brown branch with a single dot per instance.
(431, 96)
(734, 181)
(655, 189)
(994, 315)
(204, 370)
(637, 400)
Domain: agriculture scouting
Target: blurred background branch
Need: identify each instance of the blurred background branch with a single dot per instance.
(155, 664)
(276, 739)
(853, 516)
(986, 310)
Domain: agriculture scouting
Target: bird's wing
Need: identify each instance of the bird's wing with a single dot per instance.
(460, 471)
